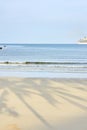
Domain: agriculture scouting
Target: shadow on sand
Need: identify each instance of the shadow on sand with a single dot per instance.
(45, 89)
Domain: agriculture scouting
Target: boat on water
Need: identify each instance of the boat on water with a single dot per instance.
(0, 48)
(83, 40)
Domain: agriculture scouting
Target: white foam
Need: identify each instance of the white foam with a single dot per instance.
(43, 75)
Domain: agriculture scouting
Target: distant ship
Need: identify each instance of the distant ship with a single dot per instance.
(1, 47)
(83, 40)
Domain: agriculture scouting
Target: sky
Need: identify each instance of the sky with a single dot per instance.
(42, 21)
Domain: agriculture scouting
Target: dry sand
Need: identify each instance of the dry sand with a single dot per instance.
(43, 104)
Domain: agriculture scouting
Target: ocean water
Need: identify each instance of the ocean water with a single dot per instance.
(44, 58)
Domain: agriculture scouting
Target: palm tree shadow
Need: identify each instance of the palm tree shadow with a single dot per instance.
(20, 91)
(4, 108)
(41, 87)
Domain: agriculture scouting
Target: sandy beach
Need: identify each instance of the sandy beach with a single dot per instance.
(43, 104)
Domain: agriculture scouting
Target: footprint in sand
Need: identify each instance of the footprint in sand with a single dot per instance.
(13, 127)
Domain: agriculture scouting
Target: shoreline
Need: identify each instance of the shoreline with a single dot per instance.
(47, 68)
(42, 75)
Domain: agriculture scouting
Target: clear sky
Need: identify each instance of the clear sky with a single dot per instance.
(42, 21)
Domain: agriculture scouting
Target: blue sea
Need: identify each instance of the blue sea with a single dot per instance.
(43, 60)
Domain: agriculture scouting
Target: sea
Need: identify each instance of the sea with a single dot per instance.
(44, 60)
